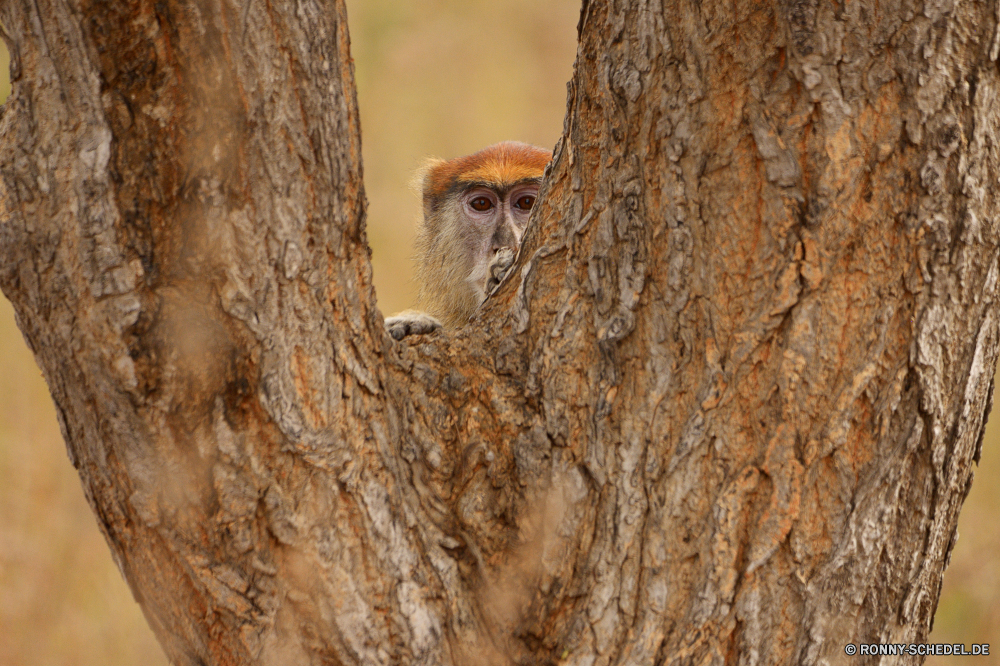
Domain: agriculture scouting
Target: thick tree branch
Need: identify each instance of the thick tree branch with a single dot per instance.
(758, 308)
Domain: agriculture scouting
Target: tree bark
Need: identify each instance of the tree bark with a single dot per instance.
(723, 411)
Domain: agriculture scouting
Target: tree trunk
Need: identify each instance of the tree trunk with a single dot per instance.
(724, 411)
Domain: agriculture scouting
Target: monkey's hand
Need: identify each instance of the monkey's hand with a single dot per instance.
(498, 268)
(410, 322)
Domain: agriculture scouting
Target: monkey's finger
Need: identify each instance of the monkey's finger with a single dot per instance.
(411, 323)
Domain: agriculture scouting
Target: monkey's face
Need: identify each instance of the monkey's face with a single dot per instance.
(475, 211)
(493, 220)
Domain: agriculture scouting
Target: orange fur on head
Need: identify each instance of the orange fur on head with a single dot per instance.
(502, 164)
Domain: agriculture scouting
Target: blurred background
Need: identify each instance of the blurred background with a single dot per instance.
(435, 78)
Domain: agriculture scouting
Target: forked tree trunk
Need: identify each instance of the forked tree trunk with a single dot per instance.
(723, 412)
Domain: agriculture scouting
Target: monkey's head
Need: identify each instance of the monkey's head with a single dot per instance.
(475, 211)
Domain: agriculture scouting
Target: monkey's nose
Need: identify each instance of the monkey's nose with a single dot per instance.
(505, 236)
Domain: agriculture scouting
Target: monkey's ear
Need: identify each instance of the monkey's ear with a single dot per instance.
(419, 181)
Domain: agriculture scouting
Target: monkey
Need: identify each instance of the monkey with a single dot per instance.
(475, 210)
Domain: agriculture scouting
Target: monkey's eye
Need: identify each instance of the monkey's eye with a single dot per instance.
(525, 202)
(481, 204)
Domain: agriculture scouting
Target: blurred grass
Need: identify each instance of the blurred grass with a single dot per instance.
(435, 78)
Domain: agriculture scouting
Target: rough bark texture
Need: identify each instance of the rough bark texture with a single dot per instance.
(724, 410)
